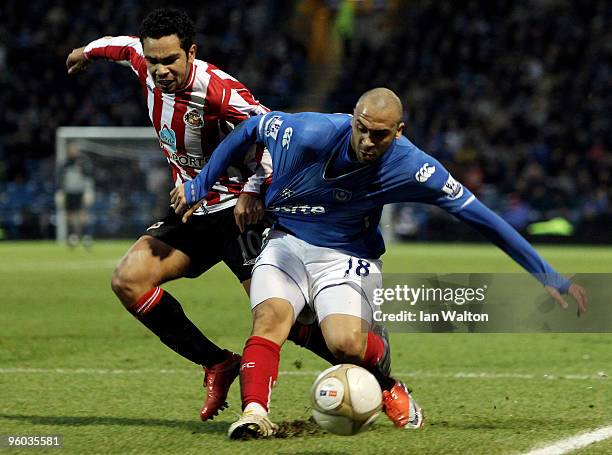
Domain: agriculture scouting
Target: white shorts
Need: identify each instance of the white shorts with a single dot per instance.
(326, 280)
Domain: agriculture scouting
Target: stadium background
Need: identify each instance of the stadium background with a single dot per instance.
(513, 97)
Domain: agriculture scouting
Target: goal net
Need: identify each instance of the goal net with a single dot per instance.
(112, 180)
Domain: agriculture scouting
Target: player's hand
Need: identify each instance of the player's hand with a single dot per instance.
(178, 200)
(248, 210)
(192, 210)
(179, 203)
(576, 291)
(76, 61)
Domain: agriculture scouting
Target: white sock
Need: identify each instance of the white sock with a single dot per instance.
(256, 408)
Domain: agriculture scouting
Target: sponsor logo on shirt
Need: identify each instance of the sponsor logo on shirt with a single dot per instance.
(193, 119)
(452, 188)
(168, 136)
(424, 173)
(300, 209)
(341, 195)
(272, 127)
(189, 161)
(287, 137)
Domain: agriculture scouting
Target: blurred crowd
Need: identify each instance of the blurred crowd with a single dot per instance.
(515, 98)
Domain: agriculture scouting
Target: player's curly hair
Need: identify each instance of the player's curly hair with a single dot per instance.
(166, 21)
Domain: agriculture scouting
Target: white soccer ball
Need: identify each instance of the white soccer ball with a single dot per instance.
(345, 399)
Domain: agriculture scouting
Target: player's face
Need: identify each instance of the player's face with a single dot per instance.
(167, 62)
(373, 132)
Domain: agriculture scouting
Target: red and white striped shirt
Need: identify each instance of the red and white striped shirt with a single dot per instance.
(191, 122)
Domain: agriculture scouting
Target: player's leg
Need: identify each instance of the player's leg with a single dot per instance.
(73, 208)
(277, 295)
(345, 317)
(272, 320)
(342, 287)
(168, 251)
(239, 255)
(306, 332)
(73, 236)
(148, 264)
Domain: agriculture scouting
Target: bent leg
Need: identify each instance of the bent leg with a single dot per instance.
(345, 337)
(147, 264)
(345, 321)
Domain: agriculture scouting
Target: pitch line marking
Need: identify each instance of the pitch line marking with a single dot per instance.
(53, 266)
(574, 442)
(411, 374)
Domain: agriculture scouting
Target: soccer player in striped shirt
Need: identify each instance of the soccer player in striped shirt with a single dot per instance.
(192, 105)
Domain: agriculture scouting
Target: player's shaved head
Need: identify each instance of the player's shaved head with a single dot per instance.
(381, 102)
(377, 121)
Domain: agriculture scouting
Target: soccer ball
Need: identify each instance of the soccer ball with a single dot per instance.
(345, 399)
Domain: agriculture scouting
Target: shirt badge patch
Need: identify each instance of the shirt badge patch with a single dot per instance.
(168, 137)
(341, 195)
(193, 119)
(272, 127)
(452, 188)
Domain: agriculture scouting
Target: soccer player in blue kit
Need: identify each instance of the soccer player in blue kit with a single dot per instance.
(332, 175)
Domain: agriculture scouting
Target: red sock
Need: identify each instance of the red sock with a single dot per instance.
(258, 371)
(147, 301)
(375, 349)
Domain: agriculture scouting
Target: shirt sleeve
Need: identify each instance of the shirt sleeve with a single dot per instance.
(126, 49)
(238, 102)
(233, 148)
(499, 232)
(237, 105)
(431, 183)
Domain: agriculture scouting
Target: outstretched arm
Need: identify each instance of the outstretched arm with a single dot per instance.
(498, 231)
(115, 48)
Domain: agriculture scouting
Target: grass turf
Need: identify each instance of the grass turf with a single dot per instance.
(73, 362)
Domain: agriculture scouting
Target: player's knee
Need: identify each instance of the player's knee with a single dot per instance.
(125, 286)
(347, 347)
(272, 320)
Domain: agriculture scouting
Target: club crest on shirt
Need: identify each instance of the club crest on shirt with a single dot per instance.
(341, 195)
(193, 118)
(287, 193)
(272, 126)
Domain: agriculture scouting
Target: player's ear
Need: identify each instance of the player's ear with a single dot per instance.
(192, 53)
(400, 130)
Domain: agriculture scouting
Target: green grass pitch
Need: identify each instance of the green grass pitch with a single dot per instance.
(73, 362)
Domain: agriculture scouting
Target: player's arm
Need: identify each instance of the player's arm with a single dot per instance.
(238, 104)
(433, 184)
(249, 207)
(233, 148)
(499, 232)
(115, 48)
